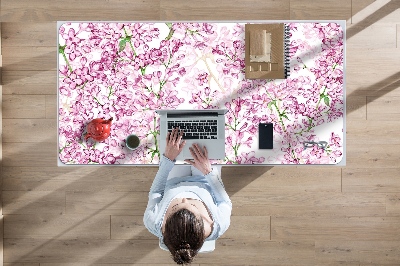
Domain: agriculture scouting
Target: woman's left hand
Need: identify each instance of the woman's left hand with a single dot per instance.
(200, 159)
(174, 144)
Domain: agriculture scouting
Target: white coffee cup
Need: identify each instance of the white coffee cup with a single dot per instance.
(132, 142)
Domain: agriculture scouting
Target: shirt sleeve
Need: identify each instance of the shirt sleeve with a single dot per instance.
(222, 199)
(156, 194)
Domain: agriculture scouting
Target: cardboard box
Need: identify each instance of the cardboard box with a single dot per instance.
(265, 51)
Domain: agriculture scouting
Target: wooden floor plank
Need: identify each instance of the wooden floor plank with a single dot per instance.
(33, 202)
(147, 251)
(324, 9)
(51, 106)
(21, 264)
(45, 62)
(384, 36)
(379, 131)
(260, 252)
(363, 252)
(383, 108)
(113, 264)
(79, 179)
(28, 130)
(33, 34)
(133, 179)
(380, 73)
(53, 226)
(30, 82)
(1, 236)
(50, 179)
(309, 204)
(223, 10)
(370, 12)
(32, 51)
(85, 251)
(381, 180)
(398, 35)
(335, 228)
(42, 10)
(128, 227)
(284, 179)
(360, 155)
(393, 204)
(24, 106)
(356, 108)
(107, 203)
(21, 154)
(358, 6)
(249, 227)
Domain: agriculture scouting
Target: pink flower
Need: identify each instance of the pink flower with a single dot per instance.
(72, 51)
(202, 78)
(71, 38)
(156, 54)
(335, 140)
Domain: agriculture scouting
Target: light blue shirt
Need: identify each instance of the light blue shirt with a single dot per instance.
(209, 188)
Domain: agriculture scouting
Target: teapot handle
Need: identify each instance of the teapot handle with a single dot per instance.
(87, 136)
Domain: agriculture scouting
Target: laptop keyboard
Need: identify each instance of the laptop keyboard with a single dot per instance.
(196, 129)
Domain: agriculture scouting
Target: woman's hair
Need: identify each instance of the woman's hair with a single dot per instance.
(184, 235)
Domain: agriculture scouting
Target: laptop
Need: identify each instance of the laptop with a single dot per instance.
(204, 127)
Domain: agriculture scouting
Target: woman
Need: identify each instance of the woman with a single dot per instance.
(188, 205)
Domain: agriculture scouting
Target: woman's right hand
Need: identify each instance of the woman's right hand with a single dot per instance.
(174, 144)
(200, 159)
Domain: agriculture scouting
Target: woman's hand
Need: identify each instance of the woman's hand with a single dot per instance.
(200, 159)
(174, 145)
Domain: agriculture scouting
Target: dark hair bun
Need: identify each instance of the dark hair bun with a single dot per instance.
(183, 255)
(185, 246)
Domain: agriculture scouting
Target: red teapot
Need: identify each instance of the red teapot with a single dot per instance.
(98, 129)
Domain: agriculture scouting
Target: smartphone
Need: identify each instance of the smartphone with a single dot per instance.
(265, 136)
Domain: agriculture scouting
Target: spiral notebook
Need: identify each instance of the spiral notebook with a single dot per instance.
(267, 51)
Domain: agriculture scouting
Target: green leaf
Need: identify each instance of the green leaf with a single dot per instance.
(270, 105)
(326, 100)
(143, 70)
(285, 116)
(110, 93)
(122, 45)
(171, 31)
(61, 49)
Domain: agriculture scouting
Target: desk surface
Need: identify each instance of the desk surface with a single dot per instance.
(128, 70)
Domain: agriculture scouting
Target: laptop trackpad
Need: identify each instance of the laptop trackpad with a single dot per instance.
(186, 153)
(214, 147)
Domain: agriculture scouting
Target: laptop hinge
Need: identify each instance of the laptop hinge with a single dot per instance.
(192, 114)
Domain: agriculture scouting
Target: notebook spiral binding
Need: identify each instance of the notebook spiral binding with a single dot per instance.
(287, 50)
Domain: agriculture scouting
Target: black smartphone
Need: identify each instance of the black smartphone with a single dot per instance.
(265, 136)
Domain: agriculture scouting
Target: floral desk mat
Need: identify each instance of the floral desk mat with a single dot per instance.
(128, 70)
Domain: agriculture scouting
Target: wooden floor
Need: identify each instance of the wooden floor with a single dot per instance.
(281, 215)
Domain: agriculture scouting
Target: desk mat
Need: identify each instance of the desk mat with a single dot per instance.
(128, 70)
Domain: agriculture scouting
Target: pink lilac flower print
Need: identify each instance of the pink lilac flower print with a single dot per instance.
(128, 70)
